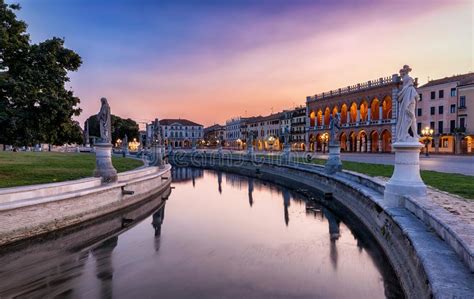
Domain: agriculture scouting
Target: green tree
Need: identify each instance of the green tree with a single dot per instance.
(35, 106)
(120, 127)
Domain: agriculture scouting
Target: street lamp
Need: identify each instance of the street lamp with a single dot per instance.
(325, 138)
(271, 140)
(427, 132)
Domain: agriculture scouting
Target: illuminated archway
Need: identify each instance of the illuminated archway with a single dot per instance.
(362, 141)
(352, 142)
(374, 141)
(343, 114)
(312, 118)
(374, 109)
(386, 141)
(353, 113)
(334, 111)
(387, 108)
(319, 117)
(343, 142)
(364, 110)
(327, 113)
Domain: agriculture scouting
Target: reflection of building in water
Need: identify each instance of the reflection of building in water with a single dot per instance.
(250, 185)
(286, 204)
(183, 174)
(157, 221)
(104, 268)
(334, 235)
(219, 181)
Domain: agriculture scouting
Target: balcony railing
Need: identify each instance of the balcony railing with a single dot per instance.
(357, 124)
(357, 87)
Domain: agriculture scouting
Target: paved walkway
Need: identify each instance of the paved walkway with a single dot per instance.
(441, 163)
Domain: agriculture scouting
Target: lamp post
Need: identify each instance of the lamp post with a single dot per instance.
(325, 138)
(427, 132)
(271, 140)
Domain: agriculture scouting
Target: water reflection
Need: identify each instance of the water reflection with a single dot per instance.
(224, 237)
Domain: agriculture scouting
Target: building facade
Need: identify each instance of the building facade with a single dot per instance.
(213, 135)
(465, 116)
(177, 133)
(267, 130)
(438, 108)
(233, 135)
(367, 111)
(298, 129)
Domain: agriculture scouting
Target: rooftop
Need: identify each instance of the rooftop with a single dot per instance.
(184, 122)
(455, 78)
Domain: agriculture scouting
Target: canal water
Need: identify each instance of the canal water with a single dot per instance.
(218, 235)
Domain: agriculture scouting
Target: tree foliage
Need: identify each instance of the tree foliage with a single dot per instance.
(35, 106)
(120, 127)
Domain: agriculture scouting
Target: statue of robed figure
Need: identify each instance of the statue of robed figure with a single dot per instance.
(407, 98)
(104, 122)
(334, 127)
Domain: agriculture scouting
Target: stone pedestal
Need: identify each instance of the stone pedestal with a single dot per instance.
(250, 151)
(406, 179)
(157, 154)
(103, 163)
(286, 153)
(333, 164)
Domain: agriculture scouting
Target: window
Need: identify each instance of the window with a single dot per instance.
(462, 101)
(452, 125)
(440, 127)
(441, 94)
(418, 128)
(452, 109)
(432, 111)
(462, 122)
(419, 112)
(432, 125)
(433, 95)
(421, 97)
(453, 92)
(440, 109)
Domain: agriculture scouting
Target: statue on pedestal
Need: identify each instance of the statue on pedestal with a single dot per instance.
(156, 132)
(103, 149)
(334, 127)
(286, 136)
(407, 98)
(406, 179)
(104, 122)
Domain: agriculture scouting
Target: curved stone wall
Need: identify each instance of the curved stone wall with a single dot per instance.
(426, 265)
(33, 210)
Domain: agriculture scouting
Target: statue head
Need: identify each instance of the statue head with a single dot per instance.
(103, 101)
(405, 70)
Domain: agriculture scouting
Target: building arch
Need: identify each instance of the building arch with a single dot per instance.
(312, 118)
(343, 141)
(362, 146)
(319, 117)
(353, 112)
(387, 107)
(375, 109)
(335, 110)
(386, 141)
(352, 141)
(344, 114)
(364, 110)
(374, 141)
(327, 113)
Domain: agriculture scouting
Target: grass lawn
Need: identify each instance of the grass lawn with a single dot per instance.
(28, 168)
(462, 185)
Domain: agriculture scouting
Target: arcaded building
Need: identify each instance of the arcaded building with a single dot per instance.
(368, 115)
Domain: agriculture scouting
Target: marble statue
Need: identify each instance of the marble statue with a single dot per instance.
(334, 127)
(104, 122)
(86, 132)
(407, 98)
(250, 142)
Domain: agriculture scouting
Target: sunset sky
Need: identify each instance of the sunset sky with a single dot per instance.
(211, 60)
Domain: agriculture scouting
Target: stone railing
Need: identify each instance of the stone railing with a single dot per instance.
(356, 87)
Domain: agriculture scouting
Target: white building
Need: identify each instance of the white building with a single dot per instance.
(178, 133)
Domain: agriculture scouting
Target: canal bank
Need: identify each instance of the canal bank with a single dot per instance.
(430, 258)
(30, 211)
